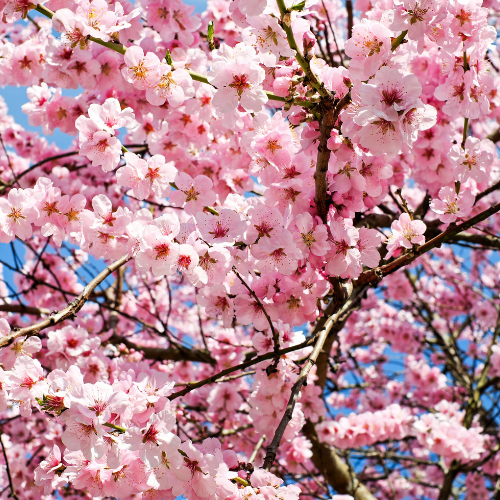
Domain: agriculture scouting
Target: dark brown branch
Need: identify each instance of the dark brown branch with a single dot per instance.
(13, 493)
(495, 136)
(335, 471)
(272, 449)
(276, 338)
(487, 191)
(330, 114)
(172, 353)
(22, 309)
(264, 357)
(446, 488)
(373, 276)
(49, 159)
(350, 17)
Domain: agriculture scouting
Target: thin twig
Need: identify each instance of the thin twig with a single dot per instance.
(276, 338)
(14, 180)
(13, 493)
(257, 448)
(264, 357)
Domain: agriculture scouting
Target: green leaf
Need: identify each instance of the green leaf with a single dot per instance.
(299, 7)
(210, 35)
(168, 58)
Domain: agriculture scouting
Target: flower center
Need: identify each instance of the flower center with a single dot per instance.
(184, 261)
(240, 83)
(219, 231)
(16, 214)
(162, 251)
(308, 238)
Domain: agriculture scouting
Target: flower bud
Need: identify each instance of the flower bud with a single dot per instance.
(309, 41)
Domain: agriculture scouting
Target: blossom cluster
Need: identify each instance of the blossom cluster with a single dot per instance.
(248, 166)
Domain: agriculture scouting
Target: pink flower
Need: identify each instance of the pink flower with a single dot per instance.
(474, 161)
(278, 252)
(48, 472)
(143, 71)
(175, 86)
(417, 116)
(193, 194)
(345, 258)
(109, 116)
(98, 401)
(103, 150)
(310, 239)
(133, 175)
(370, 44)
(129, 478)
(378, 135)
(248, 311)
(238, 79)
(17, 213)
(225, 228)
(369, 240)
(143, 176)
(216, 302)
(157, 252)
(97, 19)
(264, 221)
(418, 18)
(269, 38)
(155, 439)
(215, 261)
(179, 21)
(405, 233)
(160, 174)
(198, 471)
(451, 205)
(389, 92)
(26, 382)
(22, 346)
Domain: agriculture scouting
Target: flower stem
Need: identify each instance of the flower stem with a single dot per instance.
(464, 137)
(399, 40)
(116, 427)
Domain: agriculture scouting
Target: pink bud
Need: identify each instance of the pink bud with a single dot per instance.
(309, 41)
(279, 298)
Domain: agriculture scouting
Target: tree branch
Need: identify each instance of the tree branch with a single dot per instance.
(22, 309)
(495, 136)
(172, 353)
(264, 357)
(330, 114)
(373, 276)
(13, 493)
(70, 310)
(273, 447)
(276, 337)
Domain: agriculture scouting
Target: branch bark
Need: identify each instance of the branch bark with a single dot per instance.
(373, 276)
(69, 311)
(171, 353)
(330, 114)
(495, 136)
(339, 307)
(22, 309)
(264, 357)
(334, 469)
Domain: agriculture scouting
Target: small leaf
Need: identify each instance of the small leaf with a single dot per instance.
(299, 7)
(168, 58)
